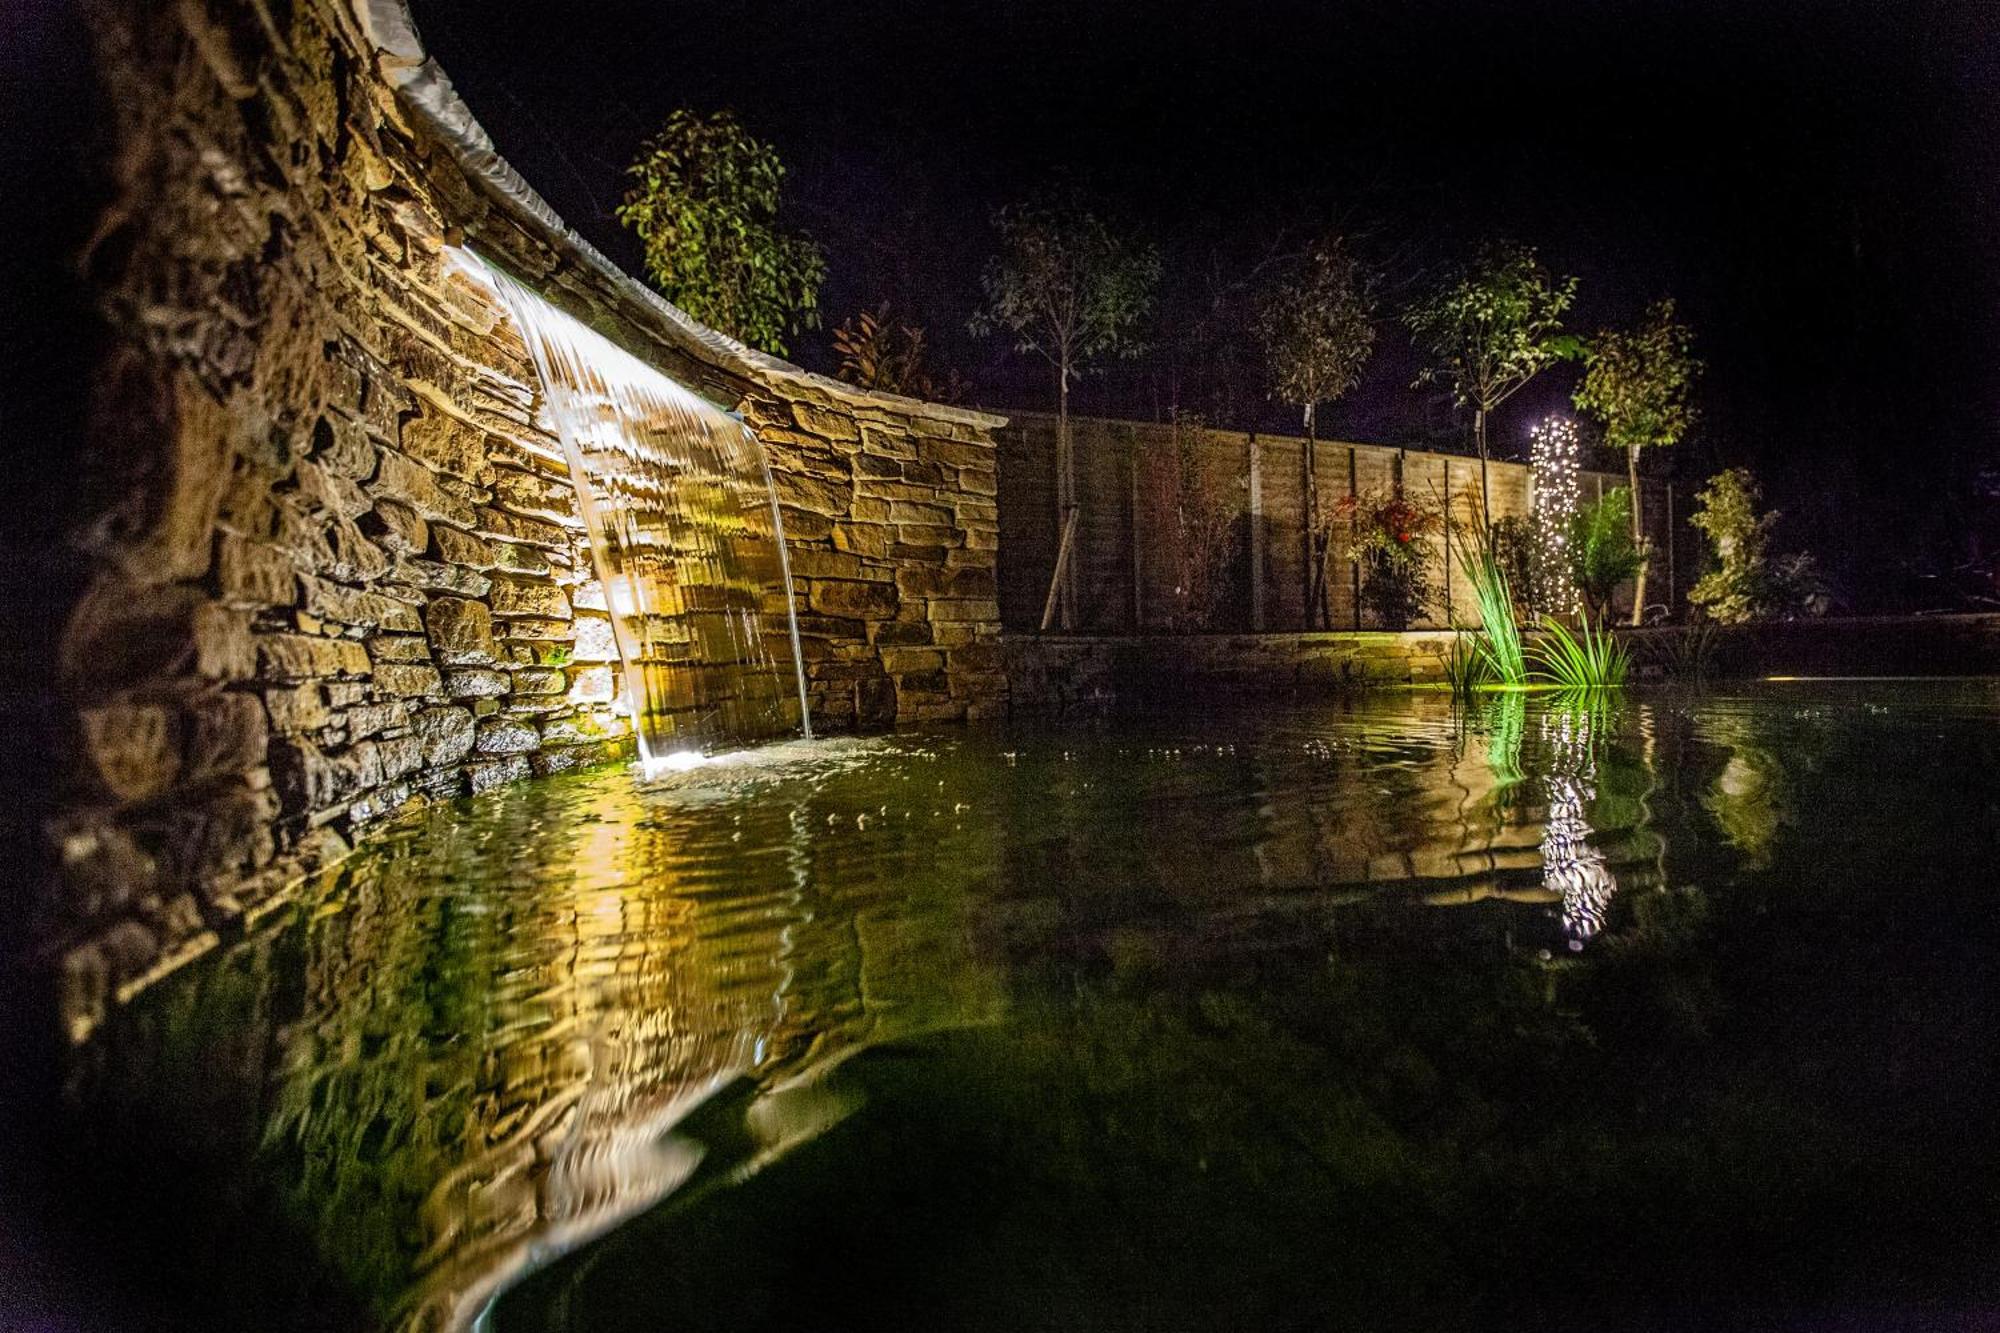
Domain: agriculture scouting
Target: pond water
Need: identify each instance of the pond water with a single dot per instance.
(1674, 1013)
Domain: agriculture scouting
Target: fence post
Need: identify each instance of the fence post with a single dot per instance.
(1447, 543)
(1673, 583)
(1353, 531)
(1132, 531)
(1256, 535)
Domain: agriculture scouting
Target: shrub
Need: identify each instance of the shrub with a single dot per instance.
(1747, 582)
(1391, 542)
(1602, 554)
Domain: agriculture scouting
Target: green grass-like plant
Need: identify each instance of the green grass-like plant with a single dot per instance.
(1464, 664)
(1499, 640)
(1590, 659)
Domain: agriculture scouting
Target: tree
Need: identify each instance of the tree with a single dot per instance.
(876, 354)
(1636, 383)
(1071, 288)
(704, 203)
(1489, 330)
(1601, 552)
(1747, 582)
(1317, 329)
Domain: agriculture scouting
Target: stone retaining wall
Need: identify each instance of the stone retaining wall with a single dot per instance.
(335, 561)
(1057, 672)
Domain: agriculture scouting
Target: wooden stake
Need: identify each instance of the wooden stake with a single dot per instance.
(1062, 564)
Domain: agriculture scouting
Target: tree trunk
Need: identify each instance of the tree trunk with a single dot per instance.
(1308, 524)
(1638, 536)
(1485, 486)
(1065, 496)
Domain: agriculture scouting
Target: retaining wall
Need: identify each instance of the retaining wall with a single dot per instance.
(335, 560)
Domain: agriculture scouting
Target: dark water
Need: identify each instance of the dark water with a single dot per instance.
(1680, 1014)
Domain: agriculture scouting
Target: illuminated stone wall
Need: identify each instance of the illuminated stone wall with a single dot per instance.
(335, 562)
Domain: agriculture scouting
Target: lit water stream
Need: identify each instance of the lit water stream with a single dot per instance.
(685, 533)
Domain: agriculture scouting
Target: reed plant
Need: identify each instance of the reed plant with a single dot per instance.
(1591, 658)
(1464, 664)
(1499, 642)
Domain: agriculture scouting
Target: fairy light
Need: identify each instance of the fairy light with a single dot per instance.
(1554, 456)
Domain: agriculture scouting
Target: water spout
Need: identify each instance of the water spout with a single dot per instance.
(685, 534)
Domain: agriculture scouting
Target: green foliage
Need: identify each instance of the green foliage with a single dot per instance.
(704, 203)
(1391, 542)
(1602, 553)
(1686, 655)
(1499, 639)
(1317, 328)
(1590, 659)
(1464, 663)
(1067, 284)
(1492, 327)
(877, 354)
(1636, 382)
(1512, 540)
(1748, 582)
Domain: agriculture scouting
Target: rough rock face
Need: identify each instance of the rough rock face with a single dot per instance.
(337, 566)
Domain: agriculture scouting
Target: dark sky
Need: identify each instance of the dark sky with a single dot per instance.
(1817, 184)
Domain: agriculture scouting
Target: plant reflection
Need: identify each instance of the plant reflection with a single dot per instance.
(513, 1025)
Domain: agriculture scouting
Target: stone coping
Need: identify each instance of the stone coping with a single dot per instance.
(425, 92)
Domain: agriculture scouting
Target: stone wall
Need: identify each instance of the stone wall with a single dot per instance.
(1061, 672)
(335, 562)
(1127, 576)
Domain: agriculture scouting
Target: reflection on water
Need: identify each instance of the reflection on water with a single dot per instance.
(512, 1025)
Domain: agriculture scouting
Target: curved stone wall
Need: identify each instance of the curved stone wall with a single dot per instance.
(335, 560)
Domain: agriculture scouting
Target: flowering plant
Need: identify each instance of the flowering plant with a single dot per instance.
(1389, 536)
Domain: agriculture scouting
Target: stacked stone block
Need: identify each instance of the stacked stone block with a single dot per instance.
(338, 564)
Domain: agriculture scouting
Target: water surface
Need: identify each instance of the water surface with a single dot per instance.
(1371, 1014)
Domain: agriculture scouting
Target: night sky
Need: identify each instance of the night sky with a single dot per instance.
(1817, 184)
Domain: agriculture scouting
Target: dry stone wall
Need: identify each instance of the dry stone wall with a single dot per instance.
(336, 565)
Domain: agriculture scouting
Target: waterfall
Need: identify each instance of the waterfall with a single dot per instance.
(684, 531)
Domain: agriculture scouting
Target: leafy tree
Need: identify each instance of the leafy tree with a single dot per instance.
(876, 354)
(1489, 330)
(1748, 582)
(1070, 287)
(1636, 383)
(704, 202)
(1317, 330)
(1602, 554)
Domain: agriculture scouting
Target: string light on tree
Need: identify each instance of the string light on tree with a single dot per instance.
(1554, 456)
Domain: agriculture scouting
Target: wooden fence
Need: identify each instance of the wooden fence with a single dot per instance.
(1125, 563)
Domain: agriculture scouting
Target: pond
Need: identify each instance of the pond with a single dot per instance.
(1676, 1012)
